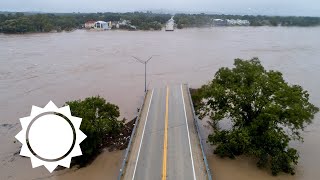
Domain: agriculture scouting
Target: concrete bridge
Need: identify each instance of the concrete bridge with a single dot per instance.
(165, 144)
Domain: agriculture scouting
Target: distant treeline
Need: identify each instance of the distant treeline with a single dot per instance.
(200, 20)
(22, 23)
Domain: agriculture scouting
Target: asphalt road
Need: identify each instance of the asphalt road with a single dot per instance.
(180, 165)
(149, 164)
(162, 149)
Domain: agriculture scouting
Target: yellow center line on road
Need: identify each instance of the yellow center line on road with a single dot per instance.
(165, 139)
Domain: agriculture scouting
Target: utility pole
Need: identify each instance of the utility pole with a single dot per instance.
(145, 69)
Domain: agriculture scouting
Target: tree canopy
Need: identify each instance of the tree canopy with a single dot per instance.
(265, 111)
(99, 120)
(200, 20)
(31, 22)
(22, 23)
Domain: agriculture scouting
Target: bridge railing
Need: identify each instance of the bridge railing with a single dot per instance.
(125, 159)
(199, 136)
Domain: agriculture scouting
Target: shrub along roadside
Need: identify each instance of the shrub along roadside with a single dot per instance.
(99, 122)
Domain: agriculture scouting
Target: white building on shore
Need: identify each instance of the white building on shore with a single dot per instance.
(230, 22)
(170, 25)
(102, 25)
(238, 22)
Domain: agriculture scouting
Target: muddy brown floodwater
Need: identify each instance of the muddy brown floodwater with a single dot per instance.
(36, 68)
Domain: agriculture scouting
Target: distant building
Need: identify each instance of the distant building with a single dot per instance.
(220, 22)
(124, 24)
(89, 24)
(238, 22)
(230, 22)
(115, 24)
(102, 25)
(170, 25)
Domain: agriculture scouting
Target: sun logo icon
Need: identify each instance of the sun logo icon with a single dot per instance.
(50, 136)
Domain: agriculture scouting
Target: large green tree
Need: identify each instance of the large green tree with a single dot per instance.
(99, 120)
(265, 111)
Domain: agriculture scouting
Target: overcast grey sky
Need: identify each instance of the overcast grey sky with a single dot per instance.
(265, 7)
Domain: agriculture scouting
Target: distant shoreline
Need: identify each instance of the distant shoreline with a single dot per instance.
(20, 23)
(122, 30)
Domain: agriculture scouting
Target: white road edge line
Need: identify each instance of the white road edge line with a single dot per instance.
(185, 115)
(144, 127)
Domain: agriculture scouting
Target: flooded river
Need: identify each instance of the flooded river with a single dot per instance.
(36, 68)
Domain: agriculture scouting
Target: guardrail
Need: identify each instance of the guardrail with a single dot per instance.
(138, 116)
(199, 136)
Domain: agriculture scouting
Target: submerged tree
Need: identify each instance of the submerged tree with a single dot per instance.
(99, 119)
(266, 113)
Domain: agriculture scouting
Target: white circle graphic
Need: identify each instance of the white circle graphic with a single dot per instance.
(50, 136)
(46, 138)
